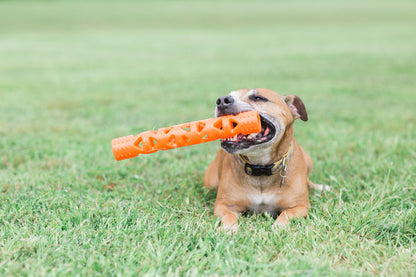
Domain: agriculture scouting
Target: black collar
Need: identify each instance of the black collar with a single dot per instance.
(268, 169)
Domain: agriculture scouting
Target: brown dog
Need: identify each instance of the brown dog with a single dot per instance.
(263, 172)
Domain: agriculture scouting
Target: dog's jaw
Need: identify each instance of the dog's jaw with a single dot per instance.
(242, 143)
(254, 146)
(261, 154)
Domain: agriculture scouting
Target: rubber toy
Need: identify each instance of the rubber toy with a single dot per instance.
(186, 134)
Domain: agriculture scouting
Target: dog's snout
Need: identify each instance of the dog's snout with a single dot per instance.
(224, 102)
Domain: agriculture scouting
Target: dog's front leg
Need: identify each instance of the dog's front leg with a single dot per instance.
(295, 212)
(229, 218)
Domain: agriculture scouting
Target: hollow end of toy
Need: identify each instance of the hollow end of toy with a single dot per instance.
(124, 148)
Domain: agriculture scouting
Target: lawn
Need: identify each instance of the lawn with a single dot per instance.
(74, 75)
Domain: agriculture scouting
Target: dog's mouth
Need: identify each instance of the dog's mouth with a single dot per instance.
(241, 141)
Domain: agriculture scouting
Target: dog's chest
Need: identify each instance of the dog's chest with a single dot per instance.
(263, 202)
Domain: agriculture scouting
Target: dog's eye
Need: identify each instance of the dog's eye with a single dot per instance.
(258, 98)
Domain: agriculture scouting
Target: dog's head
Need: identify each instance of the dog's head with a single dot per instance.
(276, 113)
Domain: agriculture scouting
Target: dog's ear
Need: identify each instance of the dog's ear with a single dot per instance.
(297, 107)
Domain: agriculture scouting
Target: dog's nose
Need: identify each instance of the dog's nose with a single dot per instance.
(224, 102)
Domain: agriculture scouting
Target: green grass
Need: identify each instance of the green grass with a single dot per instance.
(74, 75)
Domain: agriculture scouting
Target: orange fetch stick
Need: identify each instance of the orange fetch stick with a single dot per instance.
(186, 134)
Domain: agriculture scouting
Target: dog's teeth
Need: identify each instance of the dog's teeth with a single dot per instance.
(235, 137)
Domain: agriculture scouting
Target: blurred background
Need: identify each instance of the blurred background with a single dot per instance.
(75, 74)
(94, 70)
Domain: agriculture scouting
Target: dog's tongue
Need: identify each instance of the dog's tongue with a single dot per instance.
(266, 131)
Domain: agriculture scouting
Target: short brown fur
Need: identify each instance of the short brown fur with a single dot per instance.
(236, 189)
